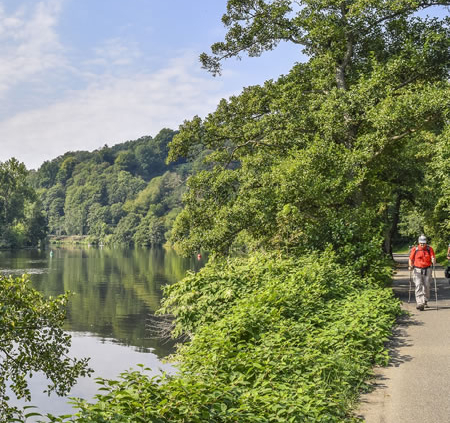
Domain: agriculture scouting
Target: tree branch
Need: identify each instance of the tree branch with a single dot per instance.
(249, 142)
(340, 71)
(400, 12)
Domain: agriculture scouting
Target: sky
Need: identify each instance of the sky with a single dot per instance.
(79, 74)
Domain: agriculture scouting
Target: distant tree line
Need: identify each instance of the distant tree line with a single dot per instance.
(122, 194)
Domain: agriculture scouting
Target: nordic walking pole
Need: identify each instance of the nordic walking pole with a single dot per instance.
(410, 285)
(435, 286)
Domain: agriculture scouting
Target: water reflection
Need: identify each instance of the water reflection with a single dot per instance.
(114, 289)
(107, 358)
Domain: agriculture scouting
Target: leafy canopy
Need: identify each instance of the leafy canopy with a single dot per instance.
(326, 153)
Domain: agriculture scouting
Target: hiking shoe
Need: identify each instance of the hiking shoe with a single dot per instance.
(421, 307)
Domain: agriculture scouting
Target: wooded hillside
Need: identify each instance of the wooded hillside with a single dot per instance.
(123, 194)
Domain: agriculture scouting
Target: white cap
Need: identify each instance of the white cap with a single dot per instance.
(422, 239)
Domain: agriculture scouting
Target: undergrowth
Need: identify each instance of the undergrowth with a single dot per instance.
(271, 340)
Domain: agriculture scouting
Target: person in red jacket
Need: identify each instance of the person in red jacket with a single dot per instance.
(420, 259)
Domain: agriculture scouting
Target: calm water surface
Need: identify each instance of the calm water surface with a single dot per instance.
(115, 290)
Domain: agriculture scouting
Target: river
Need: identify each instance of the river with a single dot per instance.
(115, 290)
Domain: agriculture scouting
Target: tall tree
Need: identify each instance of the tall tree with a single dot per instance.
(318, 156)
(20, 213)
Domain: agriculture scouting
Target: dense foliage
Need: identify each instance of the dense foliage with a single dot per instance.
(273, 340)
(332, 151)
(124, 194)
(428, 210)
(32, 340)
(22, 222)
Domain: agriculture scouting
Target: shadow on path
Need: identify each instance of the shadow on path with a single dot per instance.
(419, 361)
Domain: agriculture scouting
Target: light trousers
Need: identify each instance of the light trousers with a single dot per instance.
(422, 282)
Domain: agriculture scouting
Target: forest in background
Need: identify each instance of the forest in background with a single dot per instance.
(124, 194)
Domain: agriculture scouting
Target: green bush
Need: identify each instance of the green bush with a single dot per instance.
(271, 340)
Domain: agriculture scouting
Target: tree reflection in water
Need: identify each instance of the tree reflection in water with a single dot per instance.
(114, 289)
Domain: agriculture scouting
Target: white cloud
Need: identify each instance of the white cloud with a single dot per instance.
(29, 42)
(56, 99)
(111, 110)
(116, 52)
(112, 103)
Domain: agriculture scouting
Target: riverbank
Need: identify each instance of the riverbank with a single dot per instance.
(68, 239)
(115, 290)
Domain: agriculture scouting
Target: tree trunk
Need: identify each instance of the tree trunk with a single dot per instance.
(392, 227)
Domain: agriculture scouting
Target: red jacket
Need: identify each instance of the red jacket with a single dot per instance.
(421, 256)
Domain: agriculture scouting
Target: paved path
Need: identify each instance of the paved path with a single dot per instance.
(415, 387)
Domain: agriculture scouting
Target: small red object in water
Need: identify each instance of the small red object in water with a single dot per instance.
(199, 256)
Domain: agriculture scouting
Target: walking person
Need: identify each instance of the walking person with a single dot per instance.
(421, 259)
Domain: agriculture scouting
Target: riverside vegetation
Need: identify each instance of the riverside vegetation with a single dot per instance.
(305, 184)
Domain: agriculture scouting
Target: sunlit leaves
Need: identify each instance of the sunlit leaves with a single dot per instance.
(32, 340)
(320, 146)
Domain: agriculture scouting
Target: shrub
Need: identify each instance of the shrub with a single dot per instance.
(271, 340)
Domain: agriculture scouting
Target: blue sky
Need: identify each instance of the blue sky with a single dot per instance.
(78, 74)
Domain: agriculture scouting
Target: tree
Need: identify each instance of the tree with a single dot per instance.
(439, 175)
(105, 154)
(126, 161)
(21, 220)
(98, 221)
(318, 156)
(126, 229)
(428, 211)
(149, 162)
(339, 28)
(150, 231)
(36, 225)
(53, 202)
(14, 191)
(47, 174)
(65, 169)
(32, 340)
